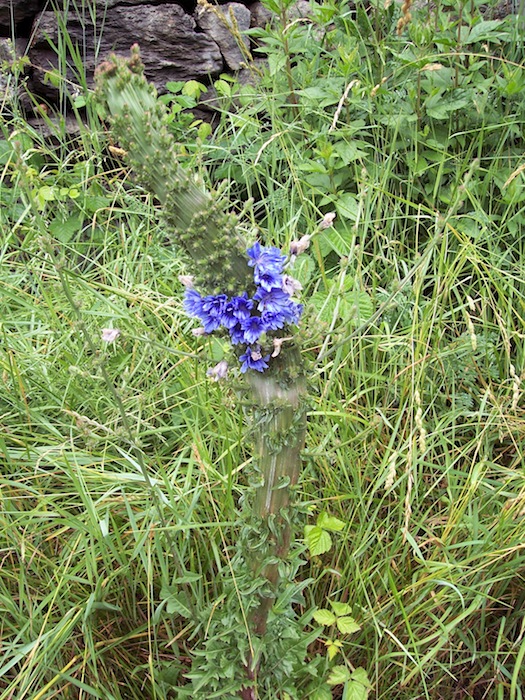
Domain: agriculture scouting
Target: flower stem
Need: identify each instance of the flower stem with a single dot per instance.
(279, 438)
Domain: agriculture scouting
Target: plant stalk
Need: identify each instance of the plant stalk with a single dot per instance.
(279, 439)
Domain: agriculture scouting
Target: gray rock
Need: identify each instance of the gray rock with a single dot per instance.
(260, 15)
(16, 11)
(171, 48)
(224, 24)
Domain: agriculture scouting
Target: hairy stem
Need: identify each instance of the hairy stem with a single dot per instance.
(280, 432)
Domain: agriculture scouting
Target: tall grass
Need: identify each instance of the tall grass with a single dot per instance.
(122, 465)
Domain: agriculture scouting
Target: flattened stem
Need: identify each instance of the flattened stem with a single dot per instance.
(279, 442)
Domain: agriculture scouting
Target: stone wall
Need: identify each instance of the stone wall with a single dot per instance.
(179, 40)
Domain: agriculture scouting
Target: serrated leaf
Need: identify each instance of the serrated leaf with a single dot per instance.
(333, 649)
(338, 675)
(176, 603)
(360, 306)
(341, 609)
(337, 238)
(303, 269)
(358, 686)
(347, 206)
(65, 229)
(329, 522)
(324, 617)
(325, 305)
(192, 88)
(347, 625)
(321, 693)
(318, 540)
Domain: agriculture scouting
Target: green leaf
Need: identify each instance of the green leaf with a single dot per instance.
(338, 238)
(311, 166)
(347, 206)
(324, 617)
(175, 86)
(325, 305)
(341, 608)
(440, 106)
(46, 193)
(358, 686)
(487, 30)
(223, 88)
(53, 76)
(347, 625)
(333, 648)
(360, 307)
(321, 693)
(338, 675)
(276, 62)
(313, 93)
(176, 602)
(65, 229)
(329, 522)
(348, 152)
(318, 540)
(303, 269)
(204, 130)
(193, 88)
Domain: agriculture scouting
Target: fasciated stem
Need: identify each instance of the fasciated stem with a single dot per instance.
(196, 219)
(279, 439)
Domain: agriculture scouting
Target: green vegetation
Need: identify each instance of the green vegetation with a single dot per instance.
(124, 467)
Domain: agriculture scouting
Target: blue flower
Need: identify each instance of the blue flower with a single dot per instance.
(253, 327)
(274, 300)
(273, 321)
(246, 318)
(212, 312)
(253, 359)
(293, 312)
(243, 306)
(237, 334)
(267, 279)
(265, 259)
(193, 302)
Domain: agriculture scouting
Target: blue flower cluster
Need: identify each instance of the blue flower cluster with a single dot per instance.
(247, 318)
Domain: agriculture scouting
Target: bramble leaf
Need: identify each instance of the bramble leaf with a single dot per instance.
(318, 540)
(329, 522)
(324, 617)
(347, 625)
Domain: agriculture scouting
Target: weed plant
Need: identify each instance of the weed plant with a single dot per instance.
(123, 465)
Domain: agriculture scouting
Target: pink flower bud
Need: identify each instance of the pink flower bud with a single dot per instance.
(109, 335)
(219, 371)
(298, 247)
(328, 220)
(290, 285)
(187, 280)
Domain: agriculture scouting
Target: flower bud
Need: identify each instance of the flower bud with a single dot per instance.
(328, 220)
(219, 371)
(298, 247)
(109, 335)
